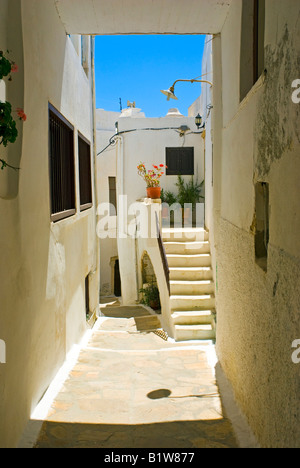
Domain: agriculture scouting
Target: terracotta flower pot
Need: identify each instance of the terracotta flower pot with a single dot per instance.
(153, 192)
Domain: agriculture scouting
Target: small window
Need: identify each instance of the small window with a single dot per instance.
(112, 196)
(85, 175)
(180, 161)
(262, 224)
(61, 166)
(252, 44)
(87, 295)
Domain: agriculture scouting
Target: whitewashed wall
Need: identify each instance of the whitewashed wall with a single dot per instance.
(43, 265)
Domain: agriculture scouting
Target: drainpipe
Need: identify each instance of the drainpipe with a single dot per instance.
(120, 179)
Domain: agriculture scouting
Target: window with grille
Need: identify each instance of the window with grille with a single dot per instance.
(61, 166)
(180, 161)
(85, 175)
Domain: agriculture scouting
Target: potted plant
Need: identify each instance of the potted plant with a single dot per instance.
(8, 128)
(152, 179)
(151, 296)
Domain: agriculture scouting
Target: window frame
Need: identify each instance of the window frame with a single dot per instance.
(252, 43)
(112, 195)
(88, 204)
(68, 211)
(180, 149)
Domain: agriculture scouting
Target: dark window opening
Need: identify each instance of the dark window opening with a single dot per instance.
(262, 224)
(112, 196)
(85, 175)
(61, 166)
(87, 296)
(117, 279)
(252, 44)
(180, 161)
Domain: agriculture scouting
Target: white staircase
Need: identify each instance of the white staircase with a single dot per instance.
(191, 283)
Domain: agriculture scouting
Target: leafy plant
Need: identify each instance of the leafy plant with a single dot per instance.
(6, 65)
(151, 296)
(168, 197)
(189, 192)
(8, 128)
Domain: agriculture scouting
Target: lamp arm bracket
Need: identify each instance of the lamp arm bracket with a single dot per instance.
(192, 81)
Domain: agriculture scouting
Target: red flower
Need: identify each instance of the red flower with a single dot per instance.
(21, 114)
(161, 165)
(14, 68)
(155, 167)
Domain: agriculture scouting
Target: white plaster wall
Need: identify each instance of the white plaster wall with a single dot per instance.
(148, 146)
(43, 265)
(257, 311)
(207, 106)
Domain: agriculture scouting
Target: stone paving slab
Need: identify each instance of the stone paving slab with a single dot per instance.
(136, 390)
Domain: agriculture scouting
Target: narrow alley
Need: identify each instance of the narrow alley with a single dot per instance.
(133, 387)
(178, 212)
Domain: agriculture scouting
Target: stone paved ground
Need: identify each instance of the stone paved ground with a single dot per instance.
(133, 389)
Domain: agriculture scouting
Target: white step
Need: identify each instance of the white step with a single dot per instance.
(187, 248)
(194, 332)
(191, 273)
(194, 302)
(176, 260)
(187, 287)
(200, 317)
(184, 234)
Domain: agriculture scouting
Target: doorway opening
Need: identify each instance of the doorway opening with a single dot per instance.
(117, 279)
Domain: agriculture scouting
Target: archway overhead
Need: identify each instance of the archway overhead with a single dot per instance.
(142, 16)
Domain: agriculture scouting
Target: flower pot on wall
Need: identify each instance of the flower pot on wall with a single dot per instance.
(153, 192)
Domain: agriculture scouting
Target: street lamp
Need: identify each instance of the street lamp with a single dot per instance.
(198, 121)
(171, 95)
(170, 92)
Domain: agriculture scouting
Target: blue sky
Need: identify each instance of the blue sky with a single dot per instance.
(136, 68)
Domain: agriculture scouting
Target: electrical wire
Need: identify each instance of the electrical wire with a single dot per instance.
(112, 138)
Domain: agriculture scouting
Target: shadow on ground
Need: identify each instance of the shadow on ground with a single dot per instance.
(175, 434)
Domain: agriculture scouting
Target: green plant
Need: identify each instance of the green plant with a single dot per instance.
(189, 192)
(8, 128)
(7, 66)
(168, 197)
(150, 296)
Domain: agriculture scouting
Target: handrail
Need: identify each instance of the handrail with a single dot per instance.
(163, 253)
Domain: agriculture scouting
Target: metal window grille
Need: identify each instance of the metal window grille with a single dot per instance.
(180, 161)
(61, 167)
